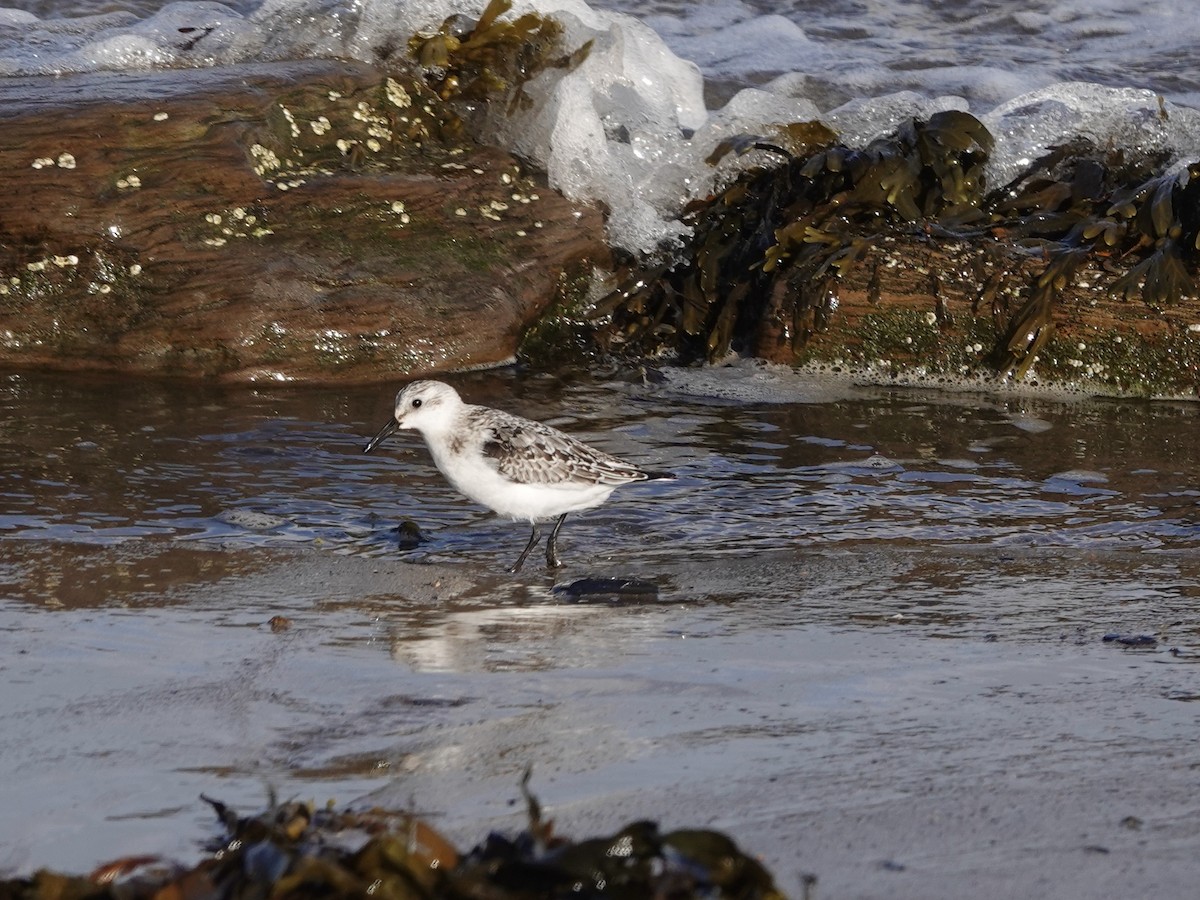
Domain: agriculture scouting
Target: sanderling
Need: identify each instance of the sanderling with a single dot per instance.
(516, 467)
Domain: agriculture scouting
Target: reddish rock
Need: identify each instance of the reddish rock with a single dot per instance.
(299, 221)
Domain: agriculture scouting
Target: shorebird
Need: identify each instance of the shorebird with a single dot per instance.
(516, 467)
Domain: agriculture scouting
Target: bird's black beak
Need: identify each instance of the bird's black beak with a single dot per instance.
(383, 435)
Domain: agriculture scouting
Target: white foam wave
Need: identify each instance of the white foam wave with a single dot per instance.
(614, 130)
(1140, 121)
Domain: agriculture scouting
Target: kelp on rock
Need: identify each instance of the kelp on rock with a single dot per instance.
(897, 260)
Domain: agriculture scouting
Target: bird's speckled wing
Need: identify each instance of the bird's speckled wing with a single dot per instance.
(529, 452)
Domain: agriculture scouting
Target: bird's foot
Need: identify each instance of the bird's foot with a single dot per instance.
(552, 560)
(533, 539)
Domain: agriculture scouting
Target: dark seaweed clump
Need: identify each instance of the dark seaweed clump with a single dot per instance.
(484, 65)
(293, 852)
(776, 245)
(1078, 205)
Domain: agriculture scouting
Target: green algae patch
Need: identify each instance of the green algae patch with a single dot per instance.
(562, 336)
(1164, 365)
(906, 346)
(907, 337)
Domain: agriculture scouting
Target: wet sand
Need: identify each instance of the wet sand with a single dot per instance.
(870, 644)
(899, 722)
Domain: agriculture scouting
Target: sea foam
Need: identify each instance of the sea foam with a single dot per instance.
(1138, 121)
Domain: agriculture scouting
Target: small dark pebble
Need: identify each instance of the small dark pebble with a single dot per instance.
(1132, 640)
(1133, 823)
(587, 590)
(1096, 848)
(409, 535)
(890, 865)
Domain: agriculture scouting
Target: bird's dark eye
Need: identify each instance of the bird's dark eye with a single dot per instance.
(417, 403)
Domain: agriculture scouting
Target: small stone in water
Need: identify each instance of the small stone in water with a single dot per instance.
(616, 589)
(410, 535)
(1132, 640)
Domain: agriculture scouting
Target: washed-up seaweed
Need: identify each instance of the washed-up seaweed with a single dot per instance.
(771, 251)
(295, 852)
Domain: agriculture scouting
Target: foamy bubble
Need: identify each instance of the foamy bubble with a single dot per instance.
(1026, 127)
(766, 43)
(863, 120)
(755, 111)
(178, 34)
(745, 381)
(614, 130)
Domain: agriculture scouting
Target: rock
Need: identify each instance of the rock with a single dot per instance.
(924, 310)
(314, 221)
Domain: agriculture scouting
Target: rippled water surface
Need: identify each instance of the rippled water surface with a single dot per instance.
(104, 463)
(985, 51)
(978, 49)
(862, 609)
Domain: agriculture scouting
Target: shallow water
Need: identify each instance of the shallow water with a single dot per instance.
(866, 605)
(118, 461)
(977, 49)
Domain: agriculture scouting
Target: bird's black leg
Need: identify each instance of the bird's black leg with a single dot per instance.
(533, 539)
(551, 544)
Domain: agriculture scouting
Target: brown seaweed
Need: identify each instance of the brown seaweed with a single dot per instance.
(292, 851)
(768, 252)
(488, 62)
(776, 241)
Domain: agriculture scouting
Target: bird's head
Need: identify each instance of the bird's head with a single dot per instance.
(426, 406)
